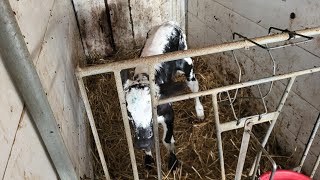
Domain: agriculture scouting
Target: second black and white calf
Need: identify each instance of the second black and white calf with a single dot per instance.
(162, 39)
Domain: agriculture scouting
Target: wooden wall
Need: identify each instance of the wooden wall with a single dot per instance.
(213, 22)
(52, 37)
(127, 22)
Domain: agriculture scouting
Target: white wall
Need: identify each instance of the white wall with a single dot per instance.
(213, 21)
(52, 37)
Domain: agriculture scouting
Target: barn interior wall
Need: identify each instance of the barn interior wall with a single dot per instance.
(213, 22)
(108, 26)
(52, 37)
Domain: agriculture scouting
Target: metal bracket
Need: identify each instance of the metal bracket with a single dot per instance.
(292, 34)
(261, 149)
(247, 39)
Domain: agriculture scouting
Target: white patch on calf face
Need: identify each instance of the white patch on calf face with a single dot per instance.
(139, 106)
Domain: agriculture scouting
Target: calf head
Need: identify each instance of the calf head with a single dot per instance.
(138, 100)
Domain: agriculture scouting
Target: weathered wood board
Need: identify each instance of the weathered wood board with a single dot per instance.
(10, 110)
(52, 37)
(94, 27)
(28, 159)
(132, 19)
(121, 24)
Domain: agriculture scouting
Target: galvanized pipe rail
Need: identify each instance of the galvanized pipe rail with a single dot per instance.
(151, 60)
(116, 68)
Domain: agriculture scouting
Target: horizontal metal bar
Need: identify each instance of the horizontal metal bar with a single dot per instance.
(151, 60)
(237, 86)
(257, 119)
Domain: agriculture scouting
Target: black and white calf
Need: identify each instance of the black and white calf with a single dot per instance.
(162, 39)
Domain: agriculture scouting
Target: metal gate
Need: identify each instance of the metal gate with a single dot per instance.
(244, 122)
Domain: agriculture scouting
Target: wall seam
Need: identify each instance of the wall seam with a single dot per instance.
(131, 22)
(78, 27)
(44, 34)
(112, 42)
(14, 139)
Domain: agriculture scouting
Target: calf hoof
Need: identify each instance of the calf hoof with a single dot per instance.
(148, 160)
(173, 162)
(201, 118)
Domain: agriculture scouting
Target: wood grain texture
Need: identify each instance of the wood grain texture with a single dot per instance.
(94, 28)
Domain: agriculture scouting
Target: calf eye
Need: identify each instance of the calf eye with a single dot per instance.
(150, 134)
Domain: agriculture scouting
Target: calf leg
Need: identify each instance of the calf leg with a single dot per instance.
(168, 141)
(148, 160)
(193, 84)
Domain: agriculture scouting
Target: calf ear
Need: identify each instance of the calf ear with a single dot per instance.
(124, 75)
(172, 89)
(126, 84)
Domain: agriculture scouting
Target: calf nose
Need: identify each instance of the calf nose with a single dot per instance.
(144, 138)
(145, 144)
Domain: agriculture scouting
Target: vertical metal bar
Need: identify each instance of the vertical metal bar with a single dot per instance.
(274, 120)
(315, 167)
(243, 150)
(154, 101)
(17, 61)
(274, 165)
(93, 126)
(126, 123)
(263, 101)
(218, 130)
(313, 134)
(231, 105)
(240, 74)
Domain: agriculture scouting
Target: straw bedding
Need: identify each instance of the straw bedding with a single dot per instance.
(196, 144)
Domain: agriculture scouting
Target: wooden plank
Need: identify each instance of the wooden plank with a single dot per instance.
(10, 109)
(145, 16)
(132, 19)
(56, 65)
(94, 27)
(121, 24)
(28, 159)
(53, 38)
(32, 17)
(33, 28)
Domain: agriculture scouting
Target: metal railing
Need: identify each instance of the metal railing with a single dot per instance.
(149, 62)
